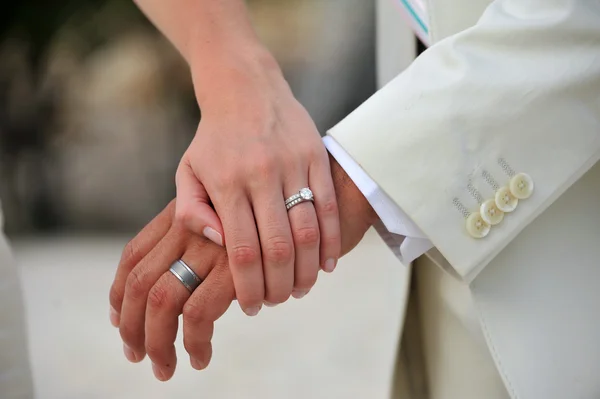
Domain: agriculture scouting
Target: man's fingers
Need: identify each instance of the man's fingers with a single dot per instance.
(207, 304)
(165, 303)
(134, 252)
(138, 285)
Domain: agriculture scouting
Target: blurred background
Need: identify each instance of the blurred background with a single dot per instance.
(96, 109)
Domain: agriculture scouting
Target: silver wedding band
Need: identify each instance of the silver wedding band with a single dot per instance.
(186, 275)
(304, 195)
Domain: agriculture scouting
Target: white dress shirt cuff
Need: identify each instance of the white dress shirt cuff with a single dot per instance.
(399, 232)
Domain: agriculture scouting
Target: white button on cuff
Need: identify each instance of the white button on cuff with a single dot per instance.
(476, 226)
(490, 212)
(521, 186)
(505, 200)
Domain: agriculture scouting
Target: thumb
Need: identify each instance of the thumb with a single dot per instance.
(193, 208)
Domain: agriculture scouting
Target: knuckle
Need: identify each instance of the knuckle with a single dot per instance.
(291, 163)
(244, 255)
(263, 166)
(115, 297)
(193, 314)
(192, 346)
(279, 251)
(129, 334)
(328, 206)
(130, 252)
(307, 236)
(226, 180)
(182, 215)
(136, 287)
(159, 299)
(315, 152)
(157, 352)
(154, 351)
(332, 243)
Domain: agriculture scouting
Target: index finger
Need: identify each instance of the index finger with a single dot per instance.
(134, 252)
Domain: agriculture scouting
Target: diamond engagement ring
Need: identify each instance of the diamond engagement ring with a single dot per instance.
(301, 196)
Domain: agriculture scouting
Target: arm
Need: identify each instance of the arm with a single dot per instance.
(255, 146)
(205, 25)
(216, 38)
(518, 92)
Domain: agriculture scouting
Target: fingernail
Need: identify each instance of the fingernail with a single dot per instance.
(114, 317)
(269, 304)
(158, 372)
(299, 294)
(253, 311)
(129, 354)
(196, 364)
(213, 235)
(329, 265)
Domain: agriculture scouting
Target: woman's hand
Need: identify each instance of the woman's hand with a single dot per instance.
(255, 147)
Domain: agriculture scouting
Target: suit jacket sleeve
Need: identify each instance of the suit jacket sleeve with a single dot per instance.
(519, 92)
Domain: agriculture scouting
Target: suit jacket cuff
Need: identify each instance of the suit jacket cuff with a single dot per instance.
(399, 232)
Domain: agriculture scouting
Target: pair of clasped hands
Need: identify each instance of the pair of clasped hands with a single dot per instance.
(255, 147)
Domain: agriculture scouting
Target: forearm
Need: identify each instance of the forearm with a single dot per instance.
(216, 38)
(206, 25)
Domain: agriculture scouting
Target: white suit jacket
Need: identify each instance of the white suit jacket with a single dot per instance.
(502, 113)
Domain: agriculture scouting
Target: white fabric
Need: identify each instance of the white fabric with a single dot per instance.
(519, 81)
(539, 303)
(514, 86)
(457, 361)
(401, 234)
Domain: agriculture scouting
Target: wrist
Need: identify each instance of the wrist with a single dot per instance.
(356, 214)
(235, 71)
(350, 193)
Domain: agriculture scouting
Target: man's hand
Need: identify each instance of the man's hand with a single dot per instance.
(356, 214)
(146, 299)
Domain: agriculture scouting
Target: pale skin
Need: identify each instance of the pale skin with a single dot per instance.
(147, 299)
(255, 146)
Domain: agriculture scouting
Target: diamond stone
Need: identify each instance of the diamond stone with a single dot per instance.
(306, 194)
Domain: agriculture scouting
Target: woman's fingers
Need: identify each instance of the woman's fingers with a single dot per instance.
(207, 304)
(306, 235)
(243, 249)
(327, 213)
(194, 210)
(139, 282)
(133, 253)
(276, 242)
(165, 303)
